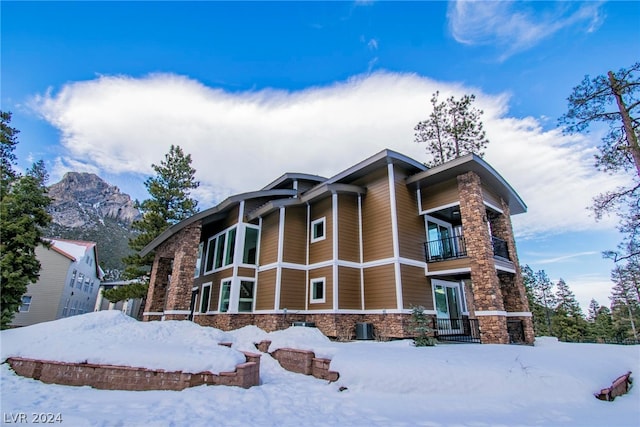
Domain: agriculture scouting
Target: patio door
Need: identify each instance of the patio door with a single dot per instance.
(448, 305)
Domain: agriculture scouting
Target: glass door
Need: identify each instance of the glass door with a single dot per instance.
(447, 301)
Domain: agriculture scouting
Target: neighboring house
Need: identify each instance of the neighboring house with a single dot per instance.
(130, 307)
(361, 247)
(68, 284)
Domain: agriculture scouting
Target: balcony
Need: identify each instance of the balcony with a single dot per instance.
(445, 248)
(500, 248)
(455, 247)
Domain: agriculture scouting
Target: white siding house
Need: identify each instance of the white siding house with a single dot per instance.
(68, 284)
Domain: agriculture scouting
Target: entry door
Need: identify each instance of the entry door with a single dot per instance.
(447, 297)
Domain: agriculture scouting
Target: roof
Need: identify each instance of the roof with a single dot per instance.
(340, 183)
(474, 163)
(75, 250)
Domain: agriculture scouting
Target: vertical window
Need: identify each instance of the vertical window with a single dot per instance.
(245, 305)
(65, 310)
(204, 300)
(199, 260)
(26, 303)
(91, 286)
(250, 245)
(74, 307)
(318, 229)
(87, 280)
(73, 277)
(317, 290)
(231, 247)
(80, 281)
(211, 249)
(225, 292)
(220, 250)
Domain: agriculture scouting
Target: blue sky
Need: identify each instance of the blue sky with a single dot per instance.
(253, 89)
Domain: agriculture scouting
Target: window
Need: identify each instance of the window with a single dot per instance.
(250, 245)
(317, 290)
(91, 286)
(87, 281)
(225, 292)
(73, 277)
(199, 260)
(74, 308)
(204, 301)
(318, 229)
(26, 303)
(65, 310)
(245, 304)
(220, 250)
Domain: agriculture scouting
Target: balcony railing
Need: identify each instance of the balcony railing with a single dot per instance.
(500, 248)
(446, 248)
(460, 330)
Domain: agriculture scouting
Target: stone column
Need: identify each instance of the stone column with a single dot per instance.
(158, 282)
(184, 264)
(488, 301)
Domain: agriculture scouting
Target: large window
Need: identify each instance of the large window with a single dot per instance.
(318, 229)
(199, 260)
(317, 291)
(250, 245)
(80, 281)
(73, 277)
(204, 300)
(245, 304)
(225, 293)
(220, 250)
(26, 303)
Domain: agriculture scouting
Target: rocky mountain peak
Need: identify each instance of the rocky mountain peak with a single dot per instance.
(83, 199)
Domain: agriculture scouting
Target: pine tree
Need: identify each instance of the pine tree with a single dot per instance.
(539, 312)
(568, 322)
(600, 324)
(544, 296)
(625, 303)
(169, 204)
(23, 215)
(453, 129)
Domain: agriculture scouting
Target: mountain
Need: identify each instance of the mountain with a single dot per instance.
(85, 207)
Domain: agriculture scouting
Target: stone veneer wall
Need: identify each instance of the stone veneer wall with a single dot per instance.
(303, 362)
(182, 249)
(486, 286)
(340, 326)
(110, 377)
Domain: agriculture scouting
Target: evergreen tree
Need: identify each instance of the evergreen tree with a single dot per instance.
(613, 100)
(539, 312)
(625, 303)
(23, 214)
(544, 296)
(453, 129)
(568, 323)
(600, 324)
(169, 204)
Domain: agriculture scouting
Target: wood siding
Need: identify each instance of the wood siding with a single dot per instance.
(349, 288)
(266, 290)
(269, 238)
(246, 272)
(411, 232)
(327, 273)
(376, 217)
(293, 289)
(489, 196)
(379, 287)
(295, 235)
(348, 228)
(322, 250)
(416, 288)
(449, 264)
(47, 291)
(440, 194)
(232, 217)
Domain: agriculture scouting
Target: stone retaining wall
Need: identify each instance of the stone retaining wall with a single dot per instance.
(110, 377)
(302, 362)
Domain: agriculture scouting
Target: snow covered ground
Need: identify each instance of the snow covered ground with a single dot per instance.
(388, 384)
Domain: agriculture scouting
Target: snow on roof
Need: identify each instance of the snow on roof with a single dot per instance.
(75, 248)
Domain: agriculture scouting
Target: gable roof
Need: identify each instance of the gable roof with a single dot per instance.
(75, 250)
(474, 163)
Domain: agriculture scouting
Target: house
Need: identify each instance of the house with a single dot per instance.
(360, 248)
(68, 284)
(129, 307)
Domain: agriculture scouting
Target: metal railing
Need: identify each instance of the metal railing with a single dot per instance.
(446, 248)
(459, 330)
(500, 248)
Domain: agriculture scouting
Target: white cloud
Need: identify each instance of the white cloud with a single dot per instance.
(242, 141)
(515, 26)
